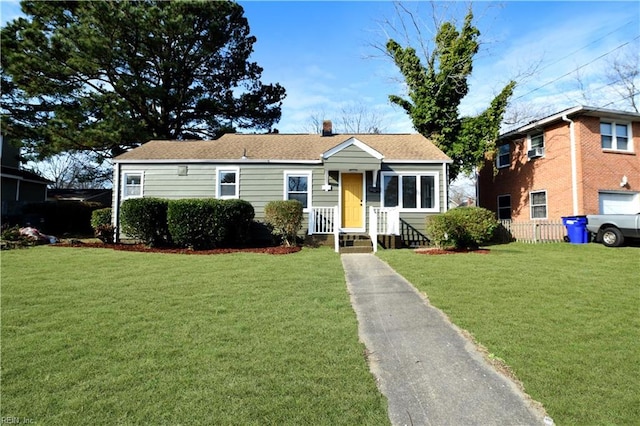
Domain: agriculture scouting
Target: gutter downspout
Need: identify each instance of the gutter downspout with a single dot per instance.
(116, 203)
(445, 174)
(574, 166)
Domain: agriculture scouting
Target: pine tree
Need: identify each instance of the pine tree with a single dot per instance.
(106, 76)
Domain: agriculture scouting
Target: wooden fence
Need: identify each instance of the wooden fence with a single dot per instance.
(539, 231)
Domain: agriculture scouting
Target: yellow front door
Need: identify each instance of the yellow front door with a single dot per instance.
(352, 200)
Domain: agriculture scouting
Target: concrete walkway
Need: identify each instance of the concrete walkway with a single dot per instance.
(430, 373)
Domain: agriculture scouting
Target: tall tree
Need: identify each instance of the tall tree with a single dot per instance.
(436, 89)
(106, 76)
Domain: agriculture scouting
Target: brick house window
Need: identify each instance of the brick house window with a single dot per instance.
(535, 142)
(615, 136)
(504, 207)
(538, 203)
(504, 156)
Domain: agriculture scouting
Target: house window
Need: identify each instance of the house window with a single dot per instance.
(615, 136)
(504, 207)
(410, 191)
(536, 141)
(298, 187)
(132, 185)
(504, 156)
(228, 183)
(536, 145)
(538, 202)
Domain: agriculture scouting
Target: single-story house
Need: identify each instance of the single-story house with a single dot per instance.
(349, 184)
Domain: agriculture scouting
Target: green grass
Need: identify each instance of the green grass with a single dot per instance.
(565, 318)
(94, 336)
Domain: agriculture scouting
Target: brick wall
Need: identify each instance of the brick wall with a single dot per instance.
(597, 170)
(603, 170)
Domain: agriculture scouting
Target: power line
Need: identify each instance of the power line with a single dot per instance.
(584, 47)
(620, 99)
(578, 68)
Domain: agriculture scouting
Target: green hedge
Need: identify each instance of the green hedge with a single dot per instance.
(101, 217)
(286, 219)
(101, 223)
(238, 215)
(208, 223)
(145, 219)
(463, 227)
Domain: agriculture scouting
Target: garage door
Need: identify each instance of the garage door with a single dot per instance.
(619, 203)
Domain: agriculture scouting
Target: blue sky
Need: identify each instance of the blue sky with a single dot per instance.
(323, 53)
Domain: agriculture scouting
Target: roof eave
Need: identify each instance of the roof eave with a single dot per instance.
(214, 161)
(578, 110)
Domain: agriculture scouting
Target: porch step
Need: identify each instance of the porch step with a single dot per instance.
(355, 243)
(355, 249)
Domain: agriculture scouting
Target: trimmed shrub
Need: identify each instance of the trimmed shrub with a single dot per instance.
(286, 218)
(145, 219)
(194, 222)
(101, 224)
(463, 227)
(238, 218)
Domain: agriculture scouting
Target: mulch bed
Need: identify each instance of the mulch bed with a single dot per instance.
(144, 249)
(438, 251)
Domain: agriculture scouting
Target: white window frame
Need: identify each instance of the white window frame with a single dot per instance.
(546, 205)
(498, 208)
(614, 137)
(125, 175)
(417, 175)
(219, 183)
(530, 138)
(499, 163)
(299, 173)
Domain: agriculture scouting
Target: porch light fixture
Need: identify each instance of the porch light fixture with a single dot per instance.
(624, 181)
(326, 186)
(244, 154)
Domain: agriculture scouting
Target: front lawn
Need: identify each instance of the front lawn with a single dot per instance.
(565, 317)
(95, 336)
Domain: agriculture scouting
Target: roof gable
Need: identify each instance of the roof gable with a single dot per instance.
(352, 141)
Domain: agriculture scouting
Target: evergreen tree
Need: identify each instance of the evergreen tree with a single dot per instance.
(436, 90)
(105, 76)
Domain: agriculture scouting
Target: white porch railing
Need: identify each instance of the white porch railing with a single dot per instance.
(383, 221)
(325, 220)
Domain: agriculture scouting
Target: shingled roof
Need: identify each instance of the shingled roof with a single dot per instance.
(283, 147)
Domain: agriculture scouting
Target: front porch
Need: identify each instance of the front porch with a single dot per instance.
(384, 228)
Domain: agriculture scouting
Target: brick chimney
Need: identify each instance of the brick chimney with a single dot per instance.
(327, 128)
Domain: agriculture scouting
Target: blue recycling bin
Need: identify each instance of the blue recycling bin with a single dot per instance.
(576, 229)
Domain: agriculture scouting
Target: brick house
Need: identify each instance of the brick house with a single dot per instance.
(579, 161)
